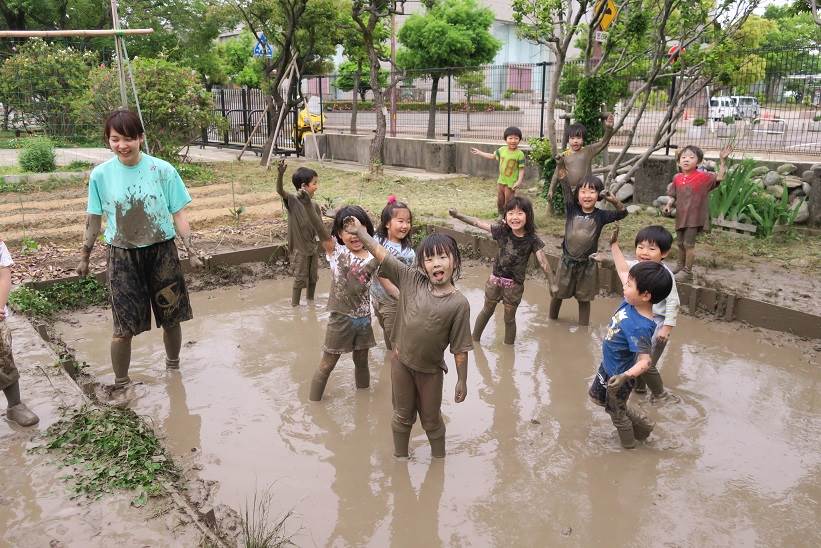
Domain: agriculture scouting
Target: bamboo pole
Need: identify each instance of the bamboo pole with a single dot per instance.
(59, 33)
(118, 47)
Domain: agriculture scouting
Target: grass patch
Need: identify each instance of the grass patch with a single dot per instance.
(110, 449)
(9, 140)
(195, 174)
(44, 303)
(259, 530)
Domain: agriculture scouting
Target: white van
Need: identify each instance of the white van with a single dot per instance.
(720, 108)
(746, 107)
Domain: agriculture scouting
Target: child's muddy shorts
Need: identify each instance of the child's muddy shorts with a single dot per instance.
(615, 403)
(345, 334)
(505, 290)
(687, 236)
(304, 268)
(8, 372)
(577, 279)
(144, 279)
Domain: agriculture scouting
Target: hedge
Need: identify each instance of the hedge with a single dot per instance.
(475, 106)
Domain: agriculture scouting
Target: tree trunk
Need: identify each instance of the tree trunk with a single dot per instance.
(432, 111)
(467, 114)
(377, 149)
(355, 102)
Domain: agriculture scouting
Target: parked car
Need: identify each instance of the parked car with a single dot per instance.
(746, 106)
(720, 108)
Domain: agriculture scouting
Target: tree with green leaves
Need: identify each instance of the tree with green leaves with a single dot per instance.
(451, 35)
(473, 84)
(236, 64)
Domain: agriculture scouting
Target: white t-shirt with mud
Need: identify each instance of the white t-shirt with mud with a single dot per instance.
(5, 262)
(667, 308)
(350, 282)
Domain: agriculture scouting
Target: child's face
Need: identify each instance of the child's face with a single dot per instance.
(399, 225)
(512, 141)
(588, 196)
(649, 251)
(126, 148)
(688, 161)
(439, 268)
(575, 143)
(632, 295)
(311, 187)
(516, 219)
(351, 241)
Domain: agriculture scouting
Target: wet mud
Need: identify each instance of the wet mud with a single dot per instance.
(530, 460)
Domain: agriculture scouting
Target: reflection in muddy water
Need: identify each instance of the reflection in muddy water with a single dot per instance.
(530, 461)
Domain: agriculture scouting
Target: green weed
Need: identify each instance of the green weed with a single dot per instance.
(29, 245)
(258, 530)
(45, 302)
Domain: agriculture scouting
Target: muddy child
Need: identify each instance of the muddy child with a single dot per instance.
(689, 193)
(432, 315)
(302, 238)
(576, 162)
(576, 275)
(511, 166)
(626, 350)
(349, 324)
(653, 243)
(17, 411)
(142, 199)
(517, 240)
(393, 233)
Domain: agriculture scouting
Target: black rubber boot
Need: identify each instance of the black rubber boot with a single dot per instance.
(311, 291)
(172, 339)
(362, 374)
(641, 386)
(296, 295)
(584, 312)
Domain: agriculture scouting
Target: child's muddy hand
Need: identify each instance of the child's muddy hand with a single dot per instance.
(281, 167)
(474, 150)
(196, 262)
(614, 237)
(351, 225)
(82, 268)
(615, 382)
(461, 391)
(452, 212)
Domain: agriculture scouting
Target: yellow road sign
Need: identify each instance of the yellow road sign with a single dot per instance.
(609, 14)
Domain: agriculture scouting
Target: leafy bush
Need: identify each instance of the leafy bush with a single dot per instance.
(416, 106)
(38, 155)
(541, 154)
(729, 120)
(697, 122)
(735, 193)
(816, 118)
(49, 300)
(767, 212)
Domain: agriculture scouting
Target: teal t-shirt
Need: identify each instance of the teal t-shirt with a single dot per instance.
(510, 162)
(137, 201)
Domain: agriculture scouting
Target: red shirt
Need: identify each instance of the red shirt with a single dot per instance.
(691, 191)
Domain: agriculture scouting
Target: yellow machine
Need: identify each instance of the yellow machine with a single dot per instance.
(310, 119)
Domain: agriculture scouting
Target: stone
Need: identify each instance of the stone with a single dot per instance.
(622, 178)
(803, 213)
(806, 187)
(671, 214)
(815, 167)
(814, 201)
(776, 190)
(650, 210)
(661, 200)
(634, 208)
(786, 169)
(759, 171)
(758, 182)
(709, 165)
(792, 181)
(625, 192)
(811, 175)
(773, 178)
(795, 194)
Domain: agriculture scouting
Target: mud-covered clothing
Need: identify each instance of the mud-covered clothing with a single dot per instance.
(687, 236)
(514, 252)
(5, 262)
(416, 392)
(406, 255)
(8, 371)
(426, 324)
(138, 202)
(144, 279)
(578, 165)
(302, 237)
(509, 294)
(510, 162)
(691, 191)
(582, 230)
(576, 279)
(598, 392)
(350, 282)
(667, 308)
(628, 335)
(304, 269)
(346, 333)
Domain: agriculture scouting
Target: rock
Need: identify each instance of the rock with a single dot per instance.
(661, 200)
(815, 167)
(803, 213)
(709, 165)
(625, 192)
(795, 195)
(786, 169)
(811, 175)
(671, 214)
(622, 178)
(792, 181)
(776, 190)
(773, 178)
(758, 182)
(806, 187)
(652, 211)
(759, 171)
(634, 208)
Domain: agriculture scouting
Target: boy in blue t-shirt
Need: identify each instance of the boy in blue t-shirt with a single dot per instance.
(626, 349)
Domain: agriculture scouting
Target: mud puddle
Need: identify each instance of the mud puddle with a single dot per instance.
(530, 461)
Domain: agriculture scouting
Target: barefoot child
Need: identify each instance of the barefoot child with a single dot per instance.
(302, 238)
(626, 350)
(653, 243)
(576, 275)
(517, 239)
(17, 411)
(393, 234)
(431, 316)
(349, 324)
(511, 166)
(689, 192)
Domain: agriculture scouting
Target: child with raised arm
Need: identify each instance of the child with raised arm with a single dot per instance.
(302, 238)
(653, 243)
(349, 324)
(517, 239)
(393, 234)
(576, 275)
(511, 166)
(626, 350)
(689, 191)
(576, 162)
(431, 316)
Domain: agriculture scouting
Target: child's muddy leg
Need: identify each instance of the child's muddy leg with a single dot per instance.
(500, 198)
(616, 407)
(641, 386)
(652, 376)
(361, 373)
(429, 386)
(121, 359)
(682, 254)
(172, 339)
(555, 306)
(484, 316)
(313, 276)
(326, 365)
(404, 406)
(641, 424)
(296, 295)
(584, 312)
(510, 323)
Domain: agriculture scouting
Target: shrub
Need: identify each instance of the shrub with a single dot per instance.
(699, 122)
(38, 155)
(729, 120)
(416, 106)
(816, 118)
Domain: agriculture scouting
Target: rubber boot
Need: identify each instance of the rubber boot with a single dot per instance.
(686, 274)
(362, 374)
(682, 253)
(627, 436)
(401, 440)
(642, 425)
(510, 324)
(17, 411)
(555, 306)
(652, 378)
(641, 386)
(121, 360)
(296, 294)
(318, 383)
(481, 320)
(172, 339)
(584, 312)
(311, 291)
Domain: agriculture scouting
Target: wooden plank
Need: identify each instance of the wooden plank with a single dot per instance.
(721, 221)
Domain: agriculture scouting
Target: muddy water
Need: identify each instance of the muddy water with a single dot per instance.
(530, 462)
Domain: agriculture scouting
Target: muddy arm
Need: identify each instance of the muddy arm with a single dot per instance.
(5, 288)
(389, 287)
(618, 257)
(541, 258)
(93, 225)
(353, 226)
(473, 221)
(183, 228)
(281, 167)
(325, 239)
(600, 145)
(641, 366)
(461, 359)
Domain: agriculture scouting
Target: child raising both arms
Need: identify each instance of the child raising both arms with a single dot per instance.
(517, 239)
(432, 315)
(511, 166)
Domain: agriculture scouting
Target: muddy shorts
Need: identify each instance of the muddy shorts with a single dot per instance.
(687, 236)
(511, 295)
(8, 372)
(385, 311)
(345, 334)
(577, 279)
(304, 268)
(612, 402)
(144, 279)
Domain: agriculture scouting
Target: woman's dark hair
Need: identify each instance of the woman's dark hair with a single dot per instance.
(387, 215)
(437, 243)
(655, 234)
(350, 211)
(520, 202)
(124, 122)
(512, 130)
(576, 130)
(303, 176)
(589, 181)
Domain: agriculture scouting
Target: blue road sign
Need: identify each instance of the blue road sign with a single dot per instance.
(262, 48)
